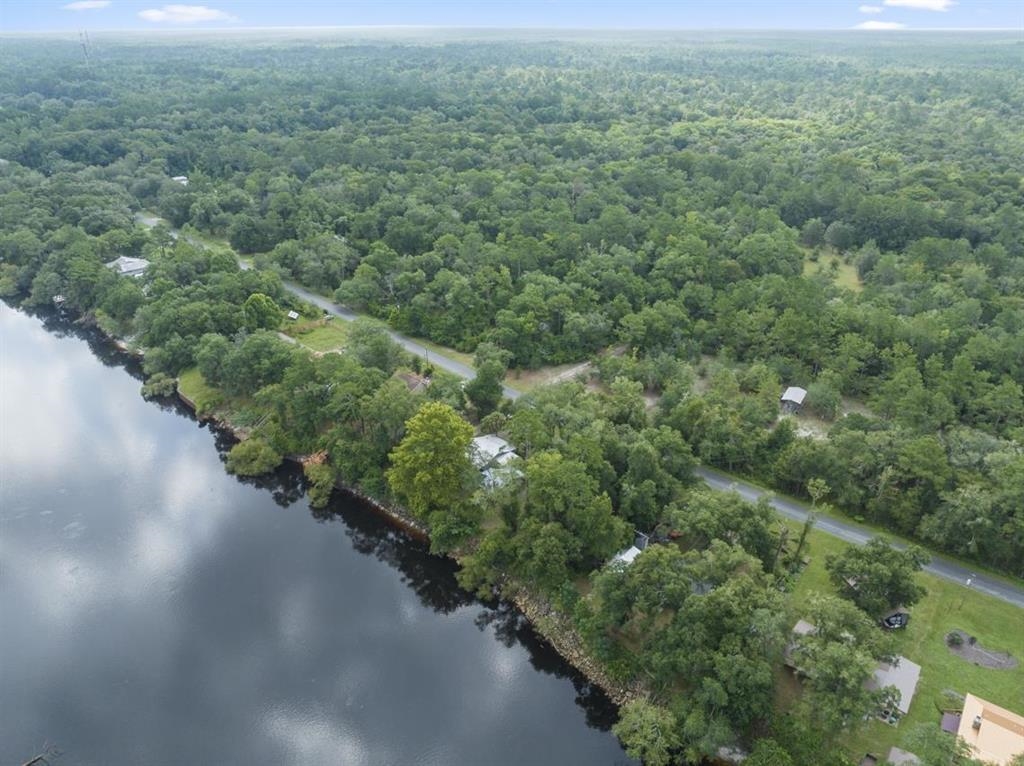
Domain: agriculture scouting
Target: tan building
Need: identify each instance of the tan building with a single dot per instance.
(995, 734)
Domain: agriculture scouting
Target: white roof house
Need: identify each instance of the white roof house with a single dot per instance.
(626, 557)
(902, 674)
(794, 395)
(183, 180)
(492, 455)
(129, 267)
(487, 449)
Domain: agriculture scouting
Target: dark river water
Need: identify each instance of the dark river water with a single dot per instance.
(155, 610)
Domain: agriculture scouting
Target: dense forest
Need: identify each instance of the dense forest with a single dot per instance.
(708, 222)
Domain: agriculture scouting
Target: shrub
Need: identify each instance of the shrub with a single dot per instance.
(252, 457)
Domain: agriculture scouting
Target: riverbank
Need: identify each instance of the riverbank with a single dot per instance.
(556, 628)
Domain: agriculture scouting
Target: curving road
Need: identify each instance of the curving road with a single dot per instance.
(851, 533)
(457, 368)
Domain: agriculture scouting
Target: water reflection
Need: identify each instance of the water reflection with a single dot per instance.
(169, 613)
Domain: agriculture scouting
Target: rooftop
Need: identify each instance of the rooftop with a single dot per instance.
(130, 266)
(489, 449)
(994, 733)
(794, 394)
(903, 674)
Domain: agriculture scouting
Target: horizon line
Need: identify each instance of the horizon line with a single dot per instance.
(466, 28)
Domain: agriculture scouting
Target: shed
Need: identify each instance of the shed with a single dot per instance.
(950, 722)
(792, 399)
(899, 757)
(183, 180)
(129, 267)
(903, 675)
(995, 734)
(293, 314)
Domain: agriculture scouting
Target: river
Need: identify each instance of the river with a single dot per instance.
(156, 610)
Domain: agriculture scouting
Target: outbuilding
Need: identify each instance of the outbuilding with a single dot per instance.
(903, 675)
(129, 267)
(792, 399)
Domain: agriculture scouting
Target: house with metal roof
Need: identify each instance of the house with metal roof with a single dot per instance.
(792, 399)
(493, 456)
(902, 675)
(129, 267)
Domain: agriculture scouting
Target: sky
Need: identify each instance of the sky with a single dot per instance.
(878, 15)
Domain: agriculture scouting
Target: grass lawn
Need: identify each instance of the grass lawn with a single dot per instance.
(321, 336)
(204, 396)
(846, 274)
(451, 353)
(948, 605)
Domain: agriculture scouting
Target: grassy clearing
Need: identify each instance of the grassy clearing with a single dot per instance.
(321, 336)
(527, 380)
(997, 625)
(845, 273)
(205, 397)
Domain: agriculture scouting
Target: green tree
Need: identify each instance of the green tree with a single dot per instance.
(430, 467)
(261, 312)
(877, 576)
(252, 457)
(648, 732)
(836, 660)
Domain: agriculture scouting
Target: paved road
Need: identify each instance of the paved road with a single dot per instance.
(1011, 594)
(457, 368)
(948, 570)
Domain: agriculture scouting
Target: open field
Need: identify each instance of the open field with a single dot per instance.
(322, 336)
(845, 276)
(997, 625)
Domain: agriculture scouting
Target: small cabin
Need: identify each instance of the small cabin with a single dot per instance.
(183, 180)
(792, 399)
(128, 267)
(903, 675)
(293, 315)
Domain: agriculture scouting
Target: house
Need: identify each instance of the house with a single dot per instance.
(183, 180)
(995, 734)
(793, 399)
(129, 267)
(626, 557)
(901, 674)
(492, 455)
(293, 315)
(801, 629)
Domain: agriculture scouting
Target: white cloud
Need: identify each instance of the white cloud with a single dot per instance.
(880, 25)
(870, 9)
(184, 14)
(921, 5)
(86, 5)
